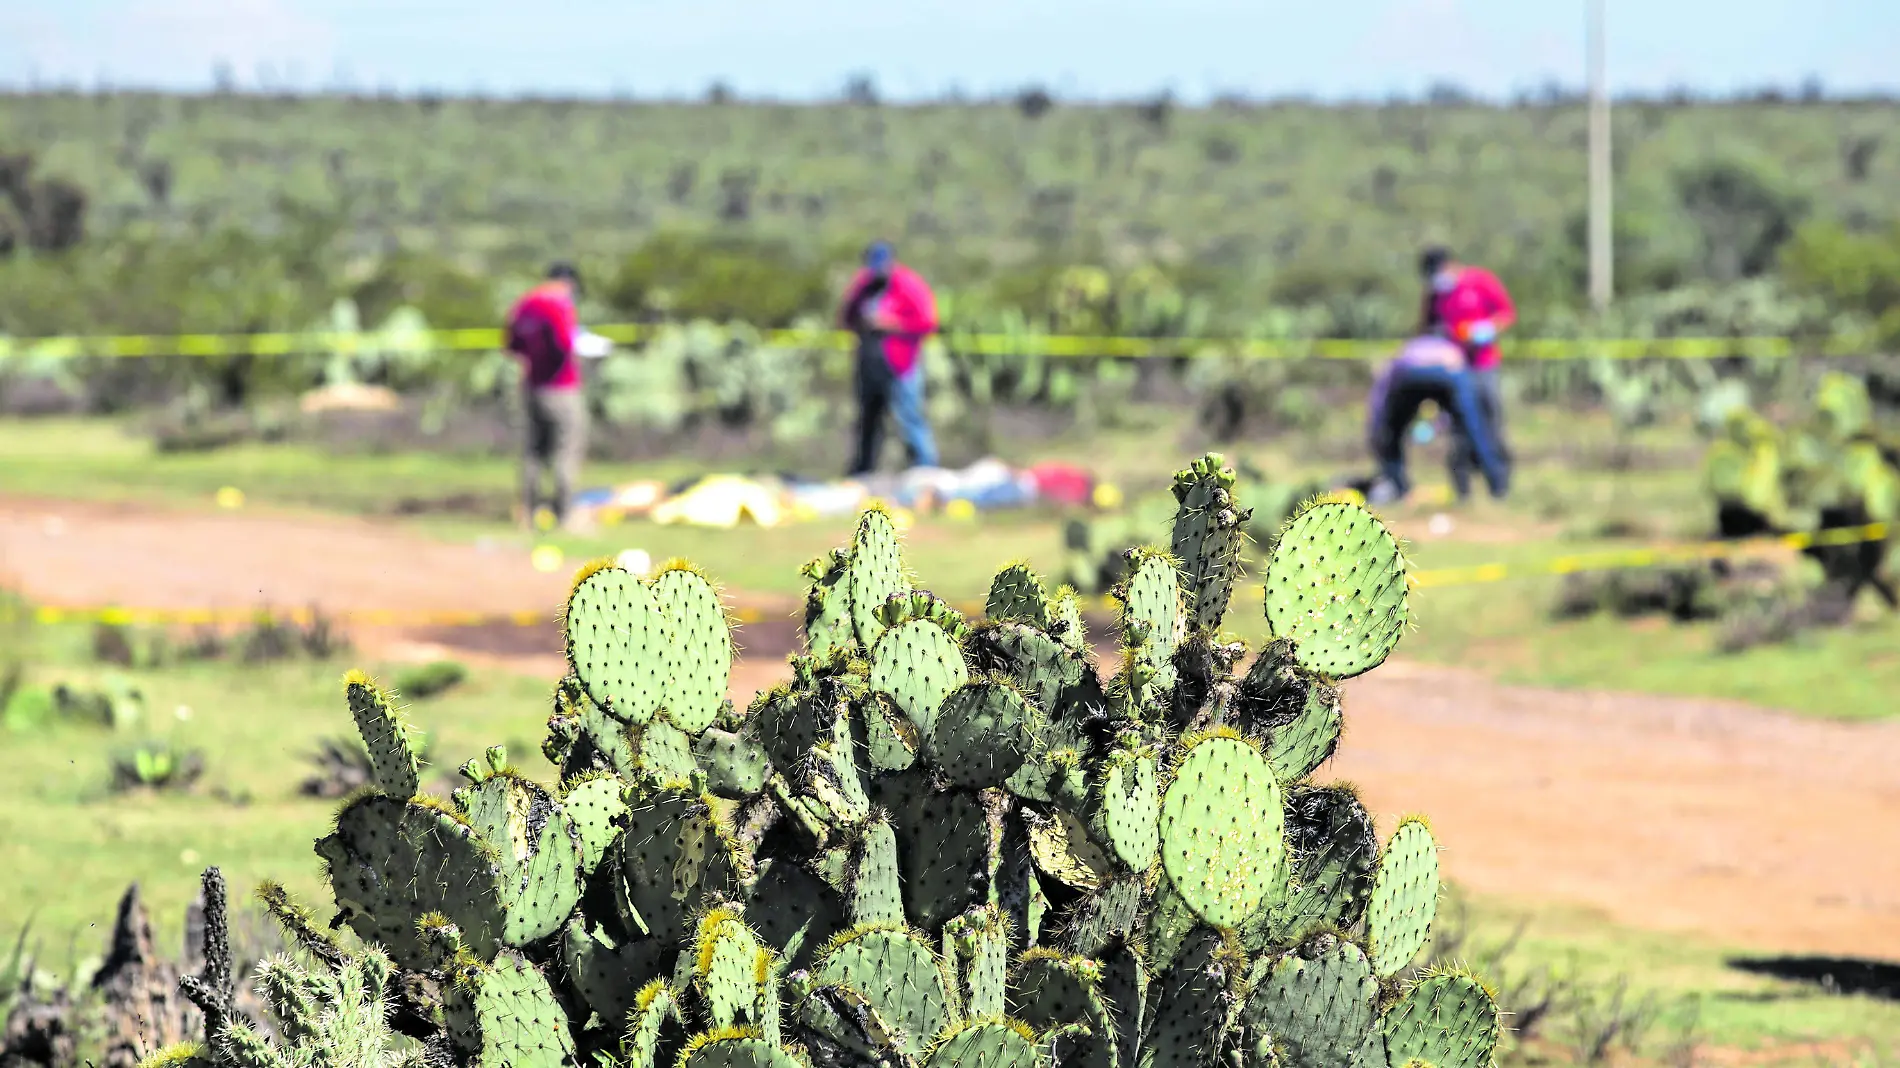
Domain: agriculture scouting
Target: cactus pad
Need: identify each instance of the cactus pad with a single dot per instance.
(986, 1045)
(593, 805)
(1315, 1010)
(1221, 830)
(663, 754)
(1048, 672)
(726, 970)
(1127, 808)
(608, 974)
(616, 643)
(946, 847)
(698, 650)
(1332, 850)
(1208, 529)
(1065, 620)
(790, 721)
(890, 738)
(1448, 1020)
(1064, 851)
(392, 759)
(877, 895)
(1297, 748)
(1052, 989)
(1193, 1003)
(874, 575)
(900, 977)
(672, 861)
(735, 764)
(1336, 589)
(793, 910)
(1404, 898)
(828, 604)
(1125, 992)
(983, 732)
(736, 1050)
(977, 944)
(516, 1021)
(387, 864)
(1017, 595)
(655, 1022)
(539, 851)
(917, 665)
(1110, 915)
(1151, 615)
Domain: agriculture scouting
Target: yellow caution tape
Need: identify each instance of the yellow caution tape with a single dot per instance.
(119, 615)
(1439, 578)
(1052, 345)
(1630, 559)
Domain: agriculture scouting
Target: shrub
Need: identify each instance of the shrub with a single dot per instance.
(718, 277)
(156, 765)
(422, 683)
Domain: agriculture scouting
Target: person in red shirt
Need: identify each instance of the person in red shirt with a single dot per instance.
(892, 310)
(1470, 306)
(543, 328)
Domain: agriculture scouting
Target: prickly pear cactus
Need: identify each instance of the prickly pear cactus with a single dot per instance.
(386, 735)
(1208, 530)
(874, 575)
(1336, 589)
(616, 640)
(943, 842)
(699, 649)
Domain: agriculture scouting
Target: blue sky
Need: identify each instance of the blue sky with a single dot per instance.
(918, 48)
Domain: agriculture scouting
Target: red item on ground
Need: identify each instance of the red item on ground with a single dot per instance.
(1477, 296)
(541, 330)
(907, 300)
(1062, 483)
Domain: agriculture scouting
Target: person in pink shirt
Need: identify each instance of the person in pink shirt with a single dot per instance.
(1470, 306)
(543, 328)
(892, 310)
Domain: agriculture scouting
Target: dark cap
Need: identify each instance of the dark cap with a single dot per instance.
(564, 271)
(1433, 259)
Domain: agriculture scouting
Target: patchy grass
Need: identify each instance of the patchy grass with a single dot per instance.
(94, 459)
(1685, 978)
(68, 846)
(1567, 501)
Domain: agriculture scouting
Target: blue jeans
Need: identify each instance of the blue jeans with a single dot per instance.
(1463, 459)
(1458, 393)
(880, 391)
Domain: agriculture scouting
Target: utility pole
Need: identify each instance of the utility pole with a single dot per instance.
(1602, 233)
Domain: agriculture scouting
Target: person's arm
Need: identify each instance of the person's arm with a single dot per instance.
(566, 323)
(1503, 311)
(848, 304)
(915, 309)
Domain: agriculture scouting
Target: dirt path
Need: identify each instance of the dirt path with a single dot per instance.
(1763, 830)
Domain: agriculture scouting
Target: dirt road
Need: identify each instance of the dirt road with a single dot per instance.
(1768, 832)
